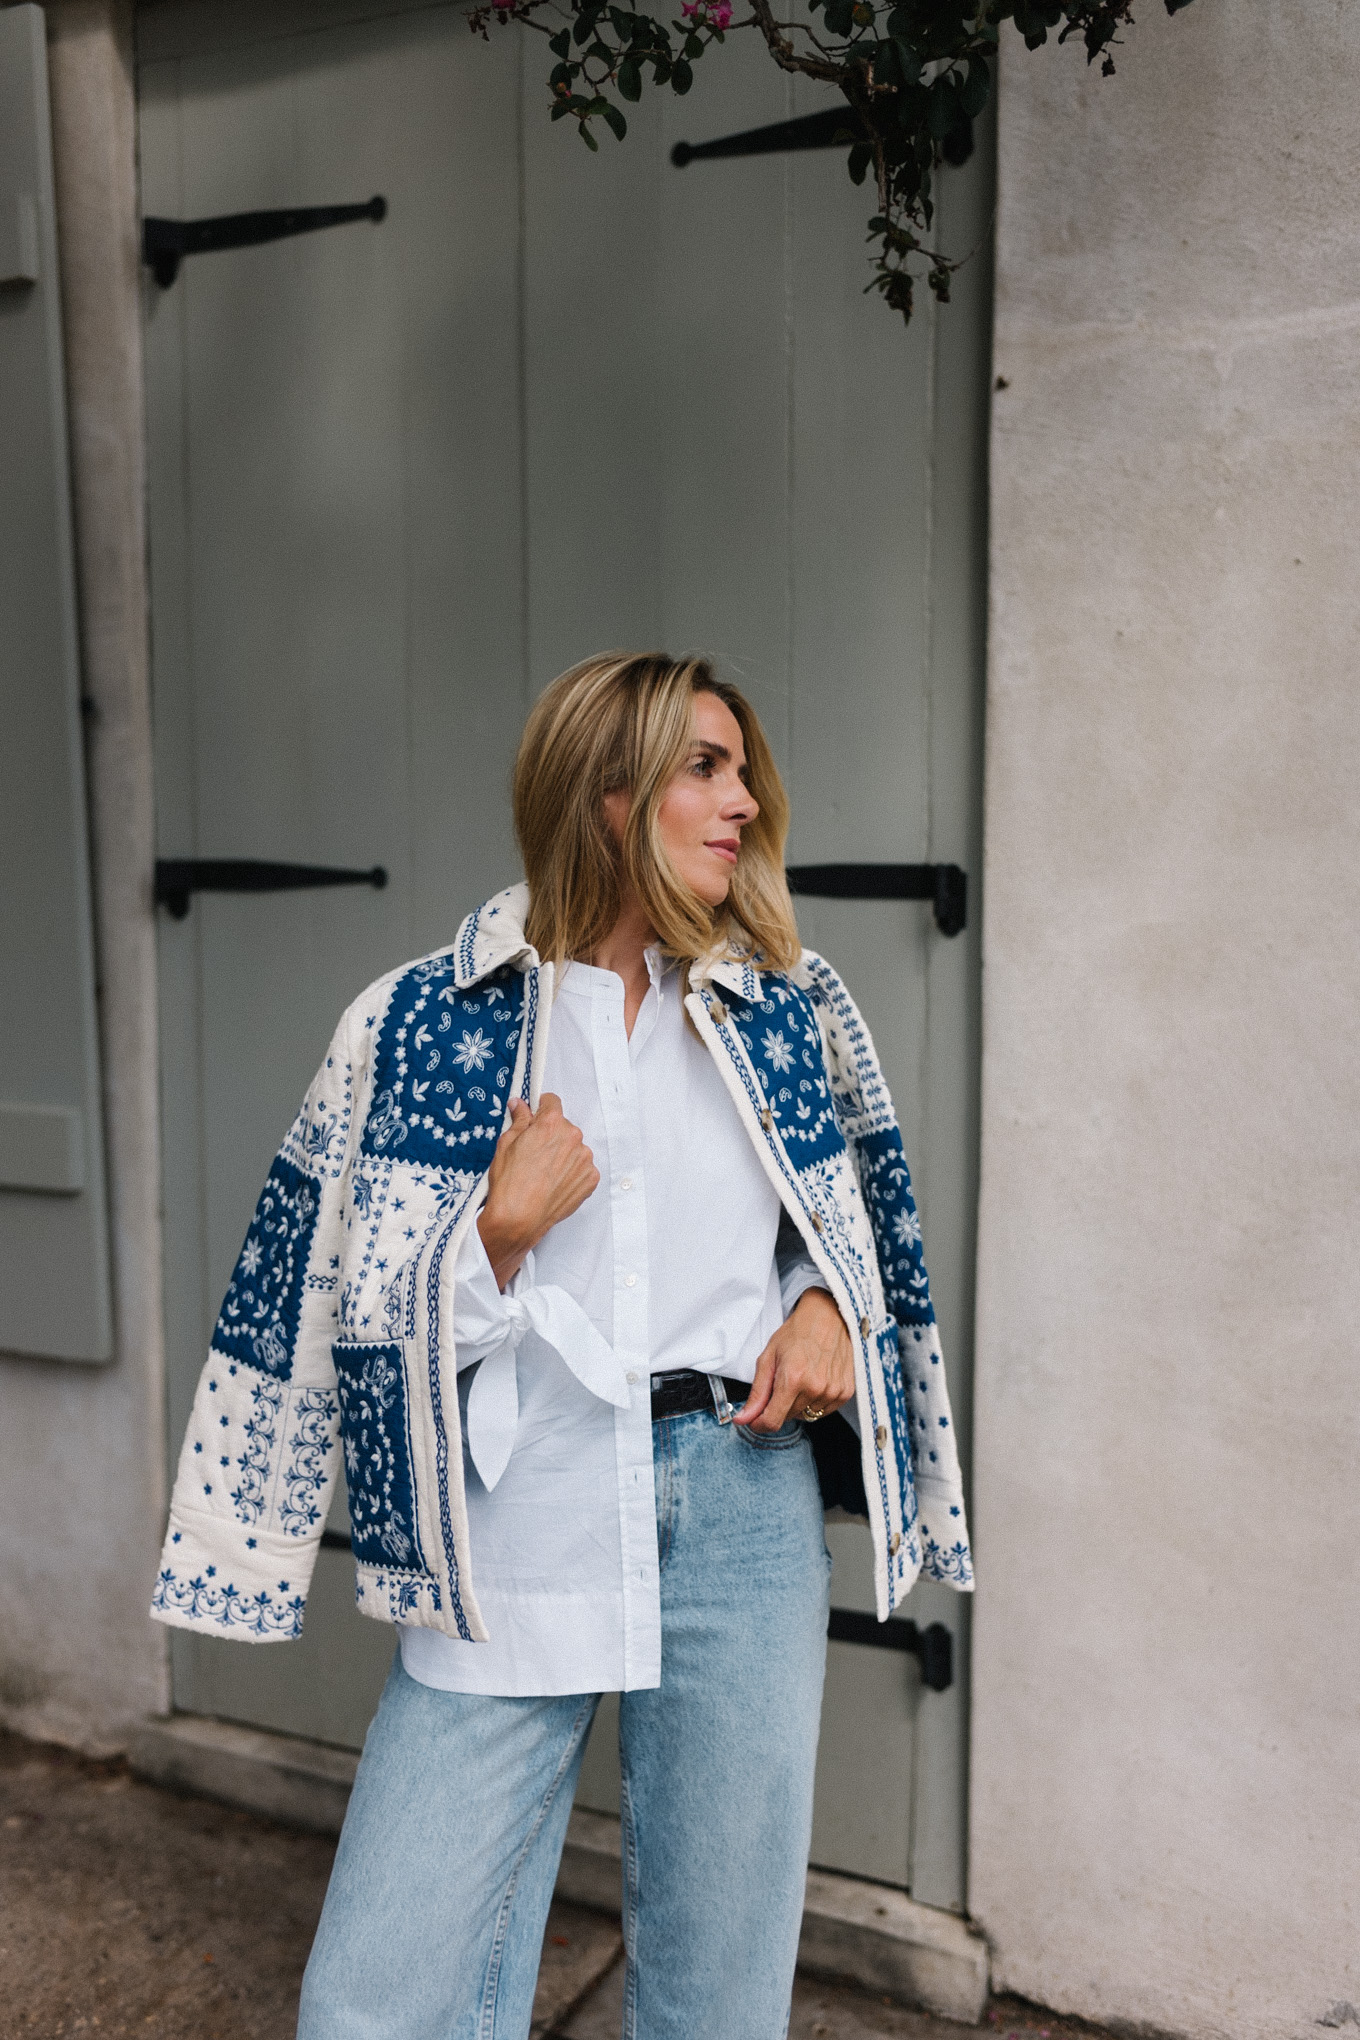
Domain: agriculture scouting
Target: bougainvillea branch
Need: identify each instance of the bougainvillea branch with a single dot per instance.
(914, 75)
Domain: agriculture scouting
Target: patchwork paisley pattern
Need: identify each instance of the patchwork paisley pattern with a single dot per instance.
(886, 1183)
(442, 1069)
(783, 1043)
(373, 1427)
(259, 1317)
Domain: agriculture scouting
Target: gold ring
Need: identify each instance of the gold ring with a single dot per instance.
(811, 1414)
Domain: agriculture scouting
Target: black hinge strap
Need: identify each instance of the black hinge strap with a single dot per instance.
(944, 885)
(165, 243)
(933, 1646)
(178, 877)
(837, 127)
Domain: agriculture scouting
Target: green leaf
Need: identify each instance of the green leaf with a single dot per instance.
(588, 138)
(883, 56)
(976, 88)
(560, 44)
(693, 46)
(614, 116)
(681, 76)
(860, 157)
(661, 70)
(944, 108)
(909, 57)
(601, 53)
(629, 80)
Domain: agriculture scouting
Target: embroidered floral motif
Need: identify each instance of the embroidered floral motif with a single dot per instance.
(259, 1320)
(306, 1475)
(198, 1600)
(951, 1563)
(266, 1398)
(472, 1051)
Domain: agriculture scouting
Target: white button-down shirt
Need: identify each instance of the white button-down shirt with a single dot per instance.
(675, 1260)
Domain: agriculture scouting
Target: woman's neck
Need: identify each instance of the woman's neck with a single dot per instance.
(623, 951)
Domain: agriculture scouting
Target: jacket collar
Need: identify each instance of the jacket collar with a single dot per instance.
(493, 936)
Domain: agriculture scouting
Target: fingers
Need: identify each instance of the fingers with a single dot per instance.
(520, 1118)
(757, 1401)
(808, 1364)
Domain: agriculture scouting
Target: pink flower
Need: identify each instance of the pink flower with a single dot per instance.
(709, 13)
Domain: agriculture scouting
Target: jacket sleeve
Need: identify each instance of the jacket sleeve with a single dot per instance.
(259, 1456)
(921, 1421)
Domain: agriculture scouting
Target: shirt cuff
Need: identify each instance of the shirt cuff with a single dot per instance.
(797, 1273)
(489, 1325)
(480, 1318)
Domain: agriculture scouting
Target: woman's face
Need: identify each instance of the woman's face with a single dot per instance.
(707, 804)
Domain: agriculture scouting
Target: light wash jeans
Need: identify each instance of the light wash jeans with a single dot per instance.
(434, 1918)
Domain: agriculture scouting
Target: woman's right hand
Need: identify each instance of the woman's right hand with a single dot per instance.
(541, 1172)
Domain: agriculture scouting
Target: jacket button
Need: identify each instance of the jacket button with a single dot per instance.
(767, 1119)
(864, 1328)
(895, 1545)
(881, 1436)
(718, 1013)
(816, 1221)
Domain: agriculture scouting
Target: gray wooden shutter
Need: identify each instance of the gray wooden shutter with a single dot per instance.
(54, 1261)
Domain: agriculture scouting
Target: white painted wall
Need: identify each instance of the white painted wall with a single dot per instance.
(82, 1449)
(1166, 1755)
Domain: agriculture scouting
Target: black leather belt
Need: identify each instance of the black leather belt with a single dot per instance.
(677, 1394)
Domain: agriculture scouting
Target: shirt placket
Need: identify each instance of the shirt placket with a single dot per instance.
(617, 1088)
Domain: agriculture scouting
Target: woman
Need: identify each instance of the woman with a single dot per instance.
(587, 1222)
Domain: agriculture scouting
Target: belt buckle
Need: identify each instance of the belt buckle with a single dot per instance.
(722, 1408)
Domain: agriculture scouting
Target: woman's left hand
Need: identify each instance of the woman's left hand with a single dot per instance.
(808, 1365)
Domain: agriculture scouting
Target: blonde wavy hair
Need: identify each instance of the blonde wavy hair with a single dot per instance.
(623, 721)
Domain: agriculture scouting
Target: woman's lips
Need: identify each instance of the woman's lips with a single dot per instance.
(725, 847)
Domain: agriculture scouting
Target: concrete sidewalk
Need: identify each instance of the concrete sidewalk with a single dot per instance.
(128, 1910)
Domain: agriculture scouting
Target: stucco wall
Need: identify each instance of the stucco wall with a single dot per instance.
(82, 1449)
(1166, 1758)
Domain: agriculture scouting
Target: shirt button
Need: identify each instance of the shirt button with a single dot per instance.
(625, 1182)
(631, 1379)
(630, 1281)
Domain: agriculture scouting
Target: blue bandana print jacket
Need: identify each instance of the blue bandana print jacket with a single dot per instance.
(334, 1336)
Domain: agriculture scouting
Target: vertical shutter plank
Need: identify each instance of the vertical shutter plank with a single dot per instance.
(54, 1261)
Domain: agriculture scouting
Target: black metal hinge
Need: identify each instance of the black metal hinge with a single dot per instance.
(165, 243)
(837, 127)
(933, 1646)
(944, 885)
(178, 877)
